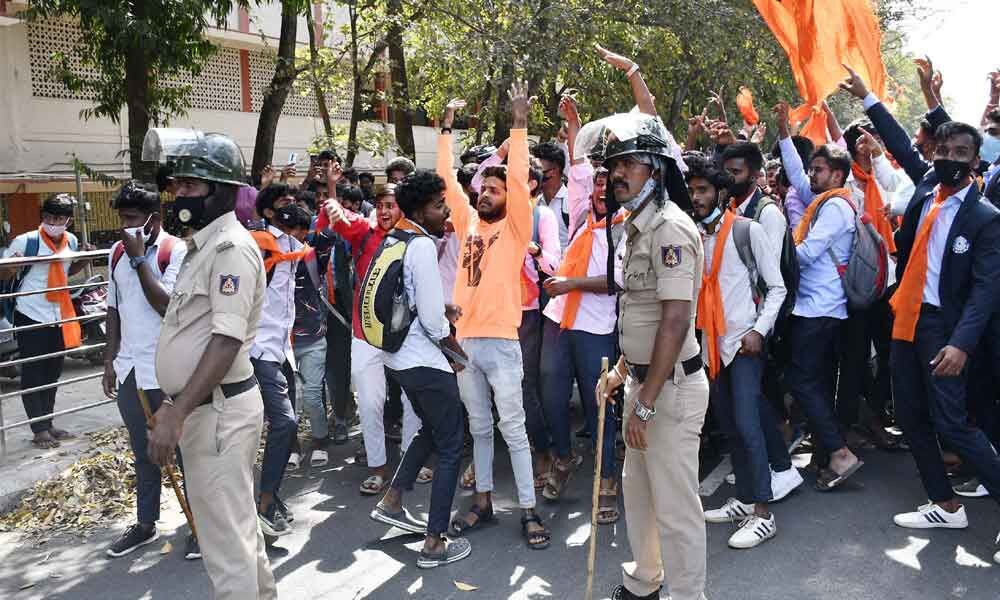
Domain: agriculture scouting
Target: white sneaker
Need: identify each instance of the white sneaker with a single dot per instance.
(971, 489)
(731, 479)
(732, 510)
(932, 516)
(996, 557)
(753, 531)
(784, 482)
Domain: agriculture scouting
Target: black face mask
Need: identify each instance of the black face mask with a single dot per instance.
(190, 210)
(285, 215)
(738, 190)
(951, 172)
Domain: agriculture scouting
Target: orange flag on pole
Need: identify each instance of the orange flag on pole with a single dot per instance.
(819, 36)
(744, 102)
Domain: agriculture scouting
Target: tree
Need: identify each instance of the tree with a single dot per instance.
(137, 48)
(400, 92)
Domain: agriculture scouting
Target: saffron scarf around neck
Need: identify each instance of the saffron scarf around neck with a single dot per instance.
(874, 205)
(577, 260)
(268, 245)
(802, 229)
(72, 336)
(711, 318)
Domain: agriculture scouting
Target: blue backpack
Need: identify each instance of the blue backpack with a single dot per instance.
(13, 285)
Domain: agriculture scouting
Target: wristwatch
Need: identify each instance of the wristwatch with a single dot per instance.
(136, 261)
(644, 414)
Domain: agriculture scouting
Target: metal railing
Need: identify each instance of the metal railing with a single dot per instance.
(19, 263)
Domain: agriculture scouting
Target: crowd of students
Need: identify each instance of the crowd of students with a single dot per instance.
(508, 265)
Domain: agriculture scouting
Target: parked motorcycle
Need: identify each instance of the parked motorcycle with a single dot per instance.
(92, 300)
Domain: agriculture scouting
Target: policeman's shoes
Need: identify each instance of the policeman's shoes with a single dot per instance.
(621, 593)
(192, 550)
(272, 522)
(753, 531)
(135, 537)
(784, 482)
(732, 511)
(932, 516)
(971, 489)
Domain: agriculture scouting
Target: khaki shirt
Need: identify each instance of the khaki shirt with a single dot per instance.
(663, 260)
(219, 290)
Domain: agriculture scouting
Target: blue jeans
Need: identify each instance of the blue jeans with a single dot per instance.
(811, 375)
(570, 355)
(148, 479)
(530, 335)
(434, 397)
(747, 418)
(281, 420)
(929, 407)
(312, 366)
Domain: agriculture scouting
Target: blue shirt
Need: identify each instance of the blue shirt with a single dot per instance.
(936, 245)
(821, 292)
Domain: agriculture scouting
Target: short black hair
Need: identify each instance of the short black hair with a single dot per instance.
(535, 171)
(350, 192)
(293, 217)
(416, 189)
(400, 163)
(836, 157)
(163, 174)
(308, 197)
(327, 154)
(551, 152)
(747, 151)
(600, 172)
(133, 195)
(59, 205)
(803, 145)
(267, 196)
(707, 170)
(994, 115)
(953, 128)
(466, 173)
(853, 134)
(351, 174)
(498, 171)
(366, 175)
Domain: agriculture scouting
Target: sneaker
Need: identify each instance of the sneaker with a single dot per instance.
(192, 551)
(731, 479)
(732, 510)
(272, 522)
(455, 550)
(621, 593)
(932, 516)
(753, 531)
(784, 482)
(971, 489)
(134, 538)
(284, 510)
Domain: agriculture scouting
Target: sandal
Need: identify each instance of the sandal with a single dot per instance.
(607, 506)
(460, 525)
(536, 540)
(469, 478)
(454, 550)
(426, 475)
(829, 479)
(61, 434)
(540, 480)
(373, 486)
(45, 444)
(562, 472)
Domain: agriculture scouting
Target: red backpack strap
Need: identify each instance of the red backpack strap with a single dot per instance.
(164, 252)
(116, 255)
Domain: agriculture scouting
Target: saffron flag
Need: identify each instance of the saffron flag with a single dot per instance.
(819, 36)
(744, 102)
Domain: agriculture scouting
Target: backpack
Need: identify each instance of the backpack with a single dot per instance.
(383, 307)
(163, 253)
(789, 261)
(321, 284)
(13, 285)
(865, 277)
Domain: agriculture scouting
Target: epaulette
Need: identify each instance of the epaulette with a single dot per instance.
(224, 245)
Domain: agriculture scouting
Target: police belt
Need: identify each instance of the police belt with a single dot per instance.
(233, 389)
(639, 372)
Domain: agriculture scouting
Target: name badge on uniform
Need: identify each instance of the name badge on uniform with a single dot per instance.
(229, 285)
(960, 246)
(671, 256)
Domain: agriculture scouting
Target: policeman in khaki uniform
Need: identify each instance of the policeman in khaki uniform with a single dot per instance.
(214, 410)
(666, 389)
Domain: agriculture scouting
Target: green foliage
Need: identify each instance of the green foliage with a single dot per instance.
(372, 139)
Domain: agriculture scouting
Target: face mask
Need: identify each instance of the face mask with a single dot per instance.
(646, 191)
(951, 172)
(132, 231)
(990, 151)
(190, 210)
(739, 189)
(54, 231)
(285, 215)
(712, 217)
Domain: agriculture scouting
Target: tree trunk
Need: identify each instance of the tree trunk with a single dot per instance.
(324, 111)
(352, 131)
(276, 93)
(137, 98)
(484, 101)
(501, 119)
(401, 110)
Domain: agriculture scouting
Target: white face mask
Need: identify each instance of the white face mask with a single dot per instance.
(132, 231)
(712, 217)
(54, 231)
(646, 191)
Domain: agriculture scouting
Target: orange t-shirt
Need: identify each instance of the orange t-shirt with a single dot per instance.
(487, 286)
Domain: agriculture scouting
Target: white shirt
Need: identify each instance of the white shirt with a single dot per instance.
(821, 292)
(742, 314)
(938, 241)
(140, 323)
(559, 206)
(548, 259)
(772, 220)
(420, 348)
(273, 341)
(35, 306)
(447, 252)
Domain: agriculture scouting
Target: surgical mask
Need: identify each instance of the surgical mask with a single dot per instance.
(713, 216)
(646, 191)
(54, 231)
(133, 231)
(990, 151)
(951, 172)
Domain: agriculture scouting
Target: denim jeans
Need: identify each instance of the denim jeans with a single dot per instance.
(811, 375)
(530, 336)
(434, 397)
(748, 421)
(312, 367)
(281, 420)
(576, 355)
(496, 363)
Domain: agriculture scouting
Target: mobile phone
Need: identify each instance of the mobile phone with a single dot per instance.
(293, 157)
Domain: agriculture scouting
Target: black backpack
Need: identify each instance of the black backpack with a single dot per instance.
(383, 306)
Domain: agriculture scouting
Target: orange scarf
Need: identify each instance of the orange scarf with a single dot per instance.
(57, 278)
(577, 260)
(909, 295)
(404, 224)
(268, 245)
(802, 229)
(874, 206)
(711, 317)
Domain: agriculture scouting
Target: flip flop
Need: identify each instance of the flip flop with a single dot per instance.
(455, 550)
(608, 509)
(373, 486)
(825, 483)
(543, 536)
(319, 458)
(401, 520)
(426, 475)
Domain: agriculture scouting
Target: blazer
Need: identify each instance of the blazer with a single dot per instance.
(897, 141)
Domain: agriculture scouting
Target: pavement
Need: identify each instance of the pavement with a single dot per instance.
(840, 545)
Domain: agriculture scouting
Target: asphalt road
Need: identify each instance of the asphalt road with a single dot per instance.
(840, 546)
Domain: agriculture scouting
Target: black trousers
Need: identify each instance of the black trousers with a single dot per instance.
(338, 370)
(37, 342)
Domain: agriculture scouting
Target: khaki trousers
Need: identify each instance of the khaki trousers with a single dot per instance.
(219, 445)
(663, 512)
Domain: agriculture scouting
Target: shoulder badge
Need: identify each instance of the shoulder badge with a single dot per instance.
(671, 256)
(960, 245)
(229, 285)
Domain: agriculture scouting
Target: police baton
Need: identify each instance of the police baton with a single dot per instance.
(171, 473)
(602, 384)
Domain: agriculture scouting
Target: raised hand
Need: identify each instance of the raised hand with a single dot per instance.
(568, 110)
(334, 173)
(615, 60)
(520, 104)
(449, 112)
(870, 144)
(781, 111)
(854, 84)
(925, 71)
(760, 134)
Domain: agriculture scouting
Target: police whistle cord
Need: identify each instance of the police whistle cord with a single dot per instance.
(602, 385)
(171, 473)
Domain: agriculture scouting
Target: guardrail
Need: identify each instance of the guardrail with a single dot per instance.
(21, 262)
